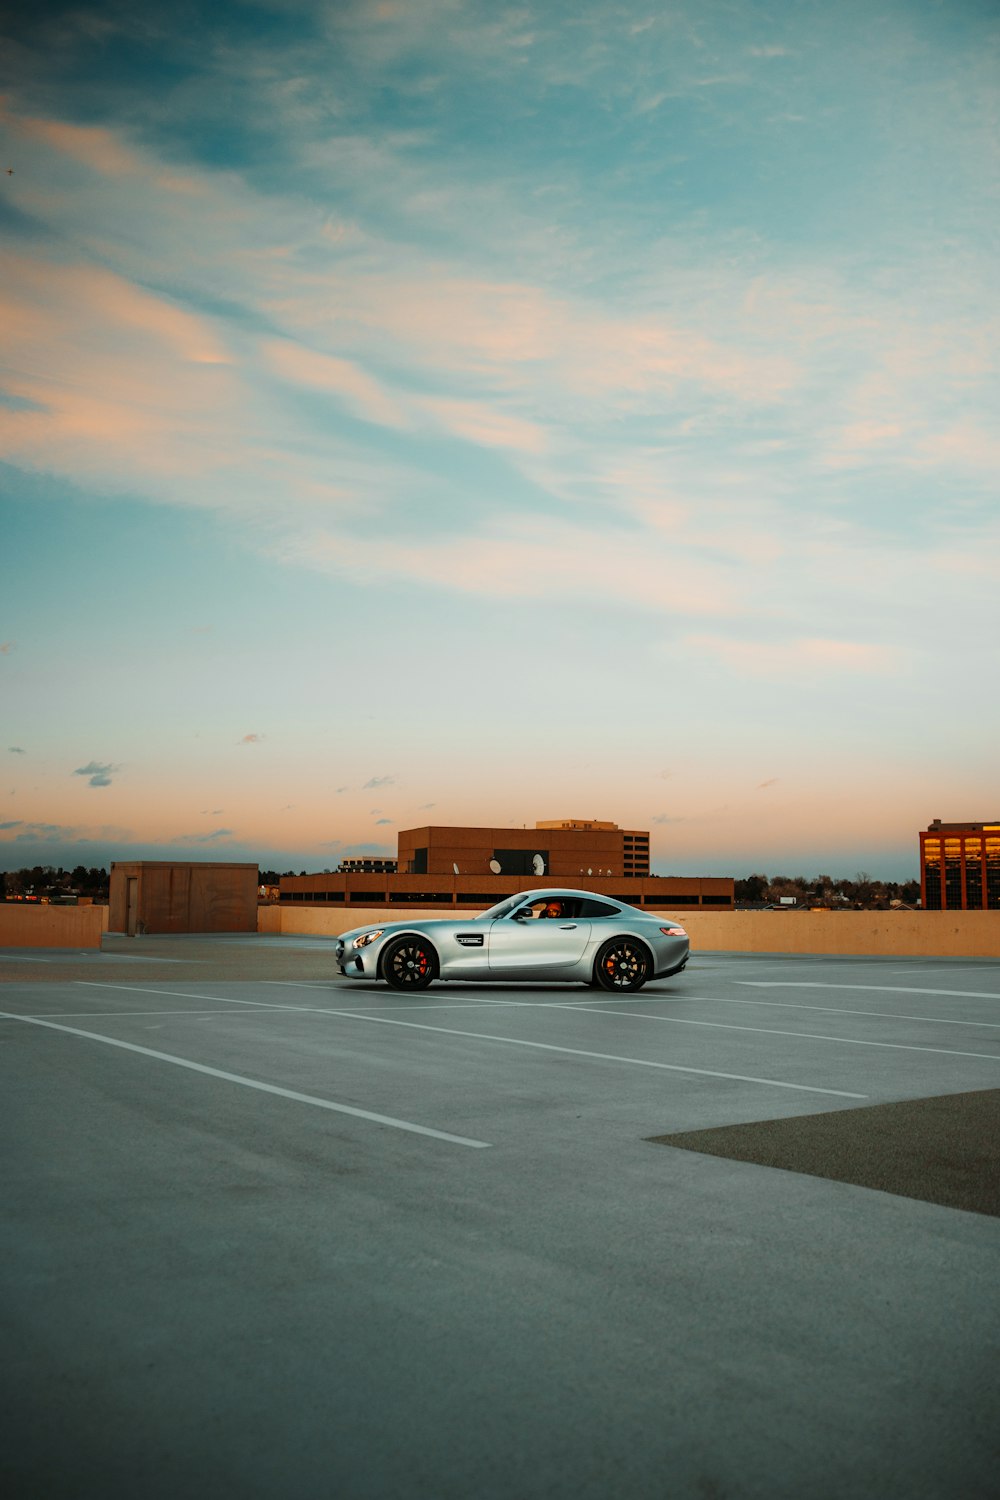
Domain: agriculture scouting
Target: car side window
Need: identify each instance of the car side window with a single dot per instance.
(554, 909)
(559, 909)
(598, 909)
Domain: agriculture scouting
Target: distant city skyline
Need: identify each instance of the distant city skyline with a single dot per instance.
(470, 414)
(838, 863)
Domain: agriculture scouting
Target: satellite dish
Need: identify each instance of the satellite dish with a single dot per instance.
(456, 869)
(495, 866)
(538, 864)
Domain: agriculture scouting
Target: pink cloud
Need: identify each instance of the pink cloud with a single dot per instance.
(518, 333)
(91, 145)
(477, 422)
(120, 382)
(806, 655)
(525, 556)
(341, 377)
(965, 444)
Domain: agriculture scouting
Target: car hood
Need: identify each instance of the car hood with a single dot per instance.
(399, 925)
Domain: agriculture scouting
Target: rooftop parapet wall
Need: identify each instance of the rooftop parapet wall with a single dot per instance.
(25, 925)
(876, 934)
(869, 934)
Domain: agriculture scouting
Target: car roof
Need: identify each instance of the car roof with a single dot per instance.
(554, 893)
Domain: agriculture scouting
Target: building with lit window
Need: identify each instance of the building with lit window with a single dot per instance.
(960, 866)
(476, 867)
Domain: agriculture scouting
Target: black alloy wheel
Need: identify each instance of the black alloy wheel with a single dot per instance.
(409, 964)
(622, 965)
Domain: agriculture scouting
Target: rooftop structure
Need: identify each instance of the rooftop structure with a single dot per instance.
(474, 867)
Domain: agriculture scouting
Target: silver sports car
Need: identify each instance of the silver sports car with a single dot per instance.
(572, 936)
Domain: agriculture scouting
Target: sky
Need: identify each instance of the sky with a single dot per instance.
(440, 411)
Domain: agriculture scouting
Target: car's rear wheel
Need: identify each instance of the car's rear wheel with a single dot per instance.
(410, 963)
(622, 965)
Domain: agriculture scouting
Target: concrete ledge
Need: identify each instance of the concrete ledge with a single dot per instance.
(24, 926)
(895, 934)
(874, 934)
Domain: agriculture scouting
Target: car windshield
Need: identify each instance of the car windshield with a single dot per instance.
(502, 909)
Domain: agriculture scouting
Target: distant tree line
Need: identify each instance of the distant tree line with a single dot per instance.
(55, 884)
(863, 892)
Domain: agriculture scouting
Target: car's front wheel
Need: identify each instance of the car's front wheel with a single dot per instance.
(410, 963)
(622, 965)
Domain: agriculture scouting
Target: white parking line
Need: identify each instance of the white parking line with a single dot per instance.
(637, 1062)
(98, 1015)
(840, 1010)
(814, 1036)
(891, 989)
(252, 1083)
(410, 1004)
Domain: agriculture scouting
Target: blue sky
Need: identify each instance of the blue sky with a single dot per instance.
(464, 413)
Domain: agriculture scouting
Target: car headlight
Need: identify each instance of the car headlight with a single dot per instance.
(367, 937)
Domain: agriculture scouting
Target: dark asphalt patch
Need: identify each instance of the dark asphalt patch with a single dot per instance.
(942, 1150)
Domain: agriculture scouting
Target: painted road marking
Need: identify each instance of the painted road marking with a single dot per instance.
(891, 989)
(838, 1010)
(814, 1036)
(97, 1015)
(252, 1083)
(637, 1062)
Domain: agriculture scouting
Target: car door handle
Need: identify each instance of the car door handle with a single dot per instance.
(567, 926)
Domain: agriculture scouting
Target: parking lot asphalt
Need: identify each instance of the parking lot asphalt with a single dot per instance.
(270, 1233)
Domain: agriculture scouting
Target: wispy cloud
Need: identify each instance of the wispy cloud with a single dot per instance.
(338, 377)
(796, 657)
(526, 556)
(95, 147)
(377, 781)
(48, 833)
(252, 739)
(204, 838)
(98, 773)
(16, 750)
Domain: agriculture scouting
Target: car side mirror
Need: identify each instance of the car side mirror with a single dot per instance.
(521, 915)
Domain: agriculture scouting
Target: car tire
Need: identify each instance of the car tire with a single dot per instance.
(622, 966)
(409, 963)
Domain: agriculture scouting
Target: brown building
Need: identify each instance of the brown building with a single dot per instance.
(960, 866)
(156, 896)
(475, 867)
